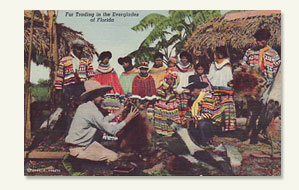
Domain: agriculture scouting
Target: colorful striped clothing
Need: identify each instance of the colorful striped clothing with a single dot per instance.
(184, 107)
(183, 96)
(106, 75)
(227, 112)
(220, 75)
(269, 62)
(208, 108)
(111, 102)
(126, 80)
(166, 108)
(143, 86)
(66, 74)
(218, 107)
(158, 74)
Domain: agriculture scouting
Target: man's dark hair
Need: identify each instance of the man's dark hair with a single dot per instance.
(262, 34)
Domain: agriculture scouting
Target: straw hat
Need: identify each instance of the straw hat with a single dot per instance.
(92, 87)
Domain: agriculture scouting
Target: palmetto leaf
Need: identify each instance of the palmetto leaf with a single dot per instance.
(169, 32)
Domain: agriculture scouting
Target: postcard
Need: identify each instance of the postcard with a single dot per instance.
(152, 93)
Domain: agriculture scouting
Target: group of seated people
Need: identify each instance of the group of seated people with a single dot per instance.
(198, 96)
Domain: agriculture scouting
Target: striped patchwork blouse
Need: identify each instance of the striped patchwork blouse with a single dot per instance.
(66, 74)
(271, 61)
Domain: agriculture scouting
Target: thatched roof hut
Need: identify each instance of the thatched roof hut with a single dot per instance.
(41, 39)
(235, 30)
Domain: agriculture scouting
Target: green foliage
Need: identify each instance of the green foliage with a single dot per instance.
(40, 91)
(169, 32)
(44, 83)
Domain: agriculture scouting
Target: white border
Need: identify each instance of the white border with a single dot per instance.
(12, 176)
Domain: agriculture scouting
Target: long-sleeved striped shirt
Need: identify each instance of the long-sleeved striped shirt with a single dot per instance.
(66, 74)
(271, 61)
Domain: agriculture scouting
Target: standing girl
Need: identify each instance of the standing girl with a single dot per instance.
(220, 75)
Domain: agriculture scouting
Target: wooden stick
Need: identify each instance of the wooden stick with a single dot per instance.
(27, 86)
(44, 155)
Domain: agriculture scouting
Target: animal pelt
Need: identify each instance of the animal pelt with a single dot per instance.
(136, 135)
(248, 82)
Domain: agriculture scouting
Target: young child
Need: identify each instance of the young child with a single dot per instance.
(200, 75)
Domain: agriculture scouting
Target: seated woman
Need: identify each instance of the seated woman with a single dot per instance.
(89, 121)
(167, 106)
(220, 75)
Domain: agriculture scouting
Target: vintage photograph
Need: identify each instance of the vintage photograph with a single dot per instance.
(152, 93)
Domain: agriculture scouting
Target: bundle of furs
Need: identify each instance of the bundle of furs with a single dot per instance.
(248, 82)
(136, 135)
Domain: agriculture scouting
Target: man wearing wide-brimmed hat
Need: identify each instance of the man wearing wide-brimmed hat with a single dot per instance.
(72, 71)
(206, 117)
(89, 121)
(126, 77)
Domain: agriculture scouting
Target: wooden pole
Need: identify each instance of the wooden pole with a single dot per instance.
(54, 67)
(27, 86)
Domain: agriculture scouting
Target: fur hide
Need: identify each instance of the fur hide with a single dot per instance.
(136, 135)
(248, 82)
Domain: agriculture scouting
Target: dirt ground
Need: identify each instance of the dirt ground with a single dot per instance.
(256, 161)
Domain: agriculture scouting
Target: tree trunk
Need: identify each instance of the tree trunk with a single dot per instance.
(53, 98)
(27, 98)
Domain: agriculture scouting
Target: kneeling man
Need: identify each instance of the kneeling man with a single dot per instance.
(89, 120)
